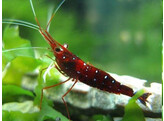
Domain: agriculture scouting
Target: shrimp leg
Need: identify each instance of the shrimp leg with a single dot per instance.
(48, 88)
(66, 94)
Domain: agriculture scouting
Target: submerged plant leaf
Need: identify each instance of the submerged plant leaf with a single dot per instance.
(12, 43)
(132, 111)
(12, 91)
(11, 39)
(17, 68)
(101, 118)
(18, 116)
(48, 112)
(20, 111)
(52, 78)
(6, 57)
(24, 107)
(15, 111)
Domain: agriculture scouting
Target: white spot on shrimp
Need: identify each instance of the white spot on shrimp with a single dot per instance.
(86, 75)
(78, 72)
(94, 79)
(85, 64)
(86, 69)
(73, 58)
(105, 77)
(96, 71)
(113, 81)
(64, 57)
(65, 45)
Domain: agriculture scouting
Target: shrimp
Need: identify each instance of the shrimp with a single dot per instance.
(76, 69)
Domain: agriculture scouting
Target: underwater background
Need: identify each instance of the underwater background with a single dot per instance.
(118, 36)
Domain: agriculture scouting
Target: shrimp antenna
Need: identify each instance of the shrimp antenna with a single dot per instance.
(20, 22)
(48, 25)
(33, 10)
(43, 32)
(22, 48)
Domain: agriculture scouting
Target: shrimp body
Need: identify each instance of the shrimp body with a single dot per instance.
(74, 67)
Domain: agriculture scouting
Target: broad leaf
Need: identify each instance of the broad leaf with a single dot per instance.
(14, 45)
(17, 68)
(132, 111)
(12, 91)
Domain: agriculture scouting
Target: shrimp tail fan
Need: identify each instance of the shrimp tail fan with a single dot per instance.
(143, 98)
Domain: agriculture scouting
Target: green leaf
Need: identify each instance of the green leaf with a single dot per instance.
(15, 111)
(25, 64)
(101, 118)
(132, 111)
(52, 78)
(6, 57)
(48, 112)
(14, 46)
(12, 91)
(17, 68)
(11, 38)
(24, 107)
(26, 111)
(18, 116)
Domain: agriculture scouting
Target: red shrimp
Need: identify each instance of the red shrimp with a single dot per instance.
(76, 69)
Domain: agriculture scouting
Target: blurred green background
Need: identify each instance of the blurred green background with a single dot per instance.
(118, 36)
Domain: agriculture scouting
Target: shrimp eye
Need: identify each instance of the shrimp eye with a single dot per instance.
(57, 49)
